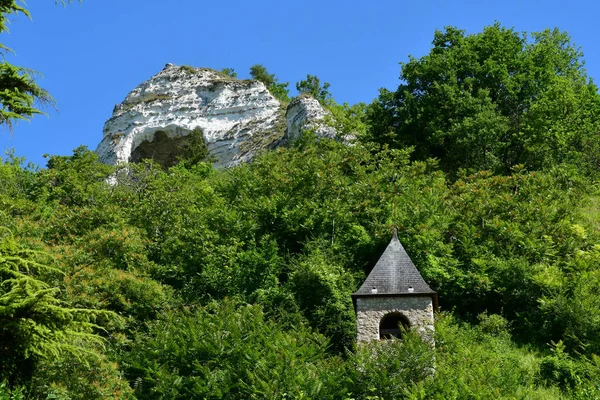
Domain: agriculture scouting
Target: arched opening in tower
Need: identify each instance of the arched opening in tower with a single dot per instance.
(393, 325)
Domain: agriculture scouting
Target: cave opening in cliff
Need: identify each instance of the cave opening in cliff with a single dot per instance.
(168, 151)
(161, 149)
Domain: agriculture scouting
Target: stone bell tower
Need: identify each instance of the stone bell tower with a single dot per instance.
(394, 293)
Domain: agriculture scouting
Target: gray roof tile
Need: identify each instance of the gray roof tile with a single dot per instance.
(394, 273)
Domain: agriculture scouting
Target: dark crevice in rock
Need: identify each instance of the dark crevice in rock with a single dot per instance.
(162, 149)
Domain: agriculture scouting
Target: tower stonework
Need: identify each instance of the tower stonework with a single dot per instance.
(394, 294)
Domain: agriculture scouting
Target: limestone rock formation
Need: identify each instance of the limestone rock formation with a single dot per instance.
(307, 113)
(237, 118)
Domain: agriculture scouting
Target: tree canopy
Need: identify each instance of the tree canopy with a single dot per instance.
(277, 89)
(312, 86)
(493, 100)
(185, 281)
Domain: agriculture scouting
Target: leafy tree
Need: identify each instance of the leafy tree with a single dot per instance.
(348, 120)
(195, 150)
(294, 234)
(19, 94)
(387, 369)
(322, 291)
(35, 324)
(229, 350)
(512, 237)
(260, 73)
(7, 393)
(312, 86)
(230, 72)
(68, 378)
(474, 362)
(18, 184)
(569, 312)
(75, 180)
(277, 89)
(493, 100)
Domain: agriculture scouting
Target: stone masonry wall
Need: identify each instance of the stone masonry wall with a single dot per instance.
(370, 310)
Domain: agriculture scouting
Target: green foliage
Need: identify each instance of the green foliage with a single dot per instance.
(279, 90)
(189, 69)
(312, 86)
(10, 394)
(260, 73)
(295, 232)
(348, 119)
(236, 283)
(8, 8)
(195, 150)
(322, 291)
(579, 378)
(35, 324)
(330, 193)
(76, 180)
(387, 369)
(18, 182)
(514, 243)
(569, 311)
(559, 368)
(473, 364)
(228, 350)
(67, 378)
(230, 72)
(590, 213)
(19, 94)
(493, 100)
(494, 324)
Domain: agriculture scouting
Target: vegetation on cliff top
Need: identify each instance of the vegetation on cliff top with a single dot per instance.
(191, 282)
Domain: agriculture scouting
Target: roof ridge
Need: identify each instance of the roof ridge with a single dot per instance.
(394, 274)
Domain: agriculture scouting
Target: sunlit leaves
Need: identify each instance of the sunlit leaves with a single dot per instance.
(493, 100)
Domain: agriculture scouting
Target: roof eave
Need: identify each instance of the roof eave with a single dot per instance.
(412, 294)
(433, 294)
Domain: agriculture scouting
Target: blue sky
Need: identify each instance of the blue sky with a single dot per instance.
(93, 53)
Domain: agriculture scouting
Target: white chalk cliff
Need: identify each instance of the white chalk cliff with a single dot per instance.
(307, 113)
(237, 118)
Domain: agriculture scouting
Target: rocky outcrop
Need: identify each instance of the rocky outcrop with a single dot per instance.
(306, 113)
(237, 118)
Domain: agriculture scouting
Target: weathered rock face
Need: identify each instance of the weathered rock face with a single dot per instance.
(237, 118)
(306, 113)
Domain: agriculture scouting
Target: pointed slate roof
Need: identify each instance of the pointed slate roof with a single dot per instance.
(394, 274)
